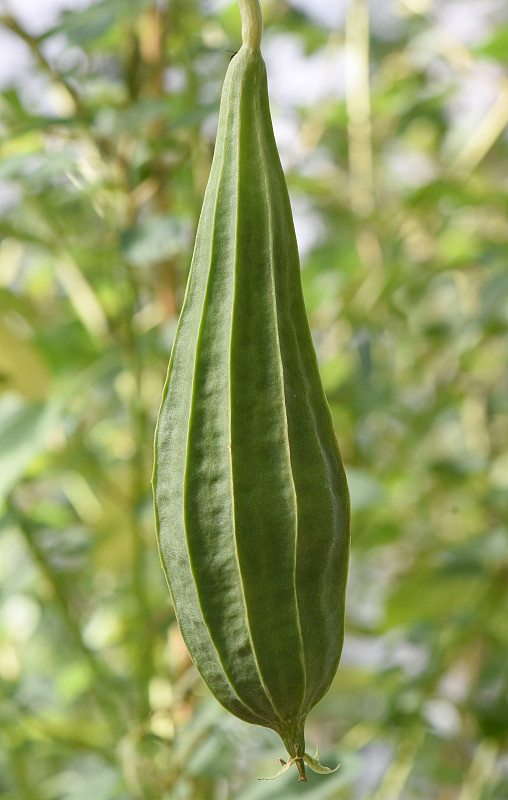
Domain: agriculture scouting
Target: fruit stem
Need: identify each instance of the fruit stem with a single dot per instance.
(293, 738)
(252, 23)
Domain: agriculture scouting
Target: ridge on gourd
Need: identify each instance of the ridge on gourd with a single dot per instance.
(251, 499)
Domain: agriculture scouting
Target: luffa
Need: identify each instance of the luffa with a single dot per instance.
(251, 498)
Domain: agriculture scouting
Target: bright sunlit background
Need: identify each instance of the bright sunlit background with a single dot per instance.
(391, 119)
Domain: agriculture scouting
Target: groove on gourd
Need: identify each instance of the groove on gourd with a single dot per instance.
(252, 505)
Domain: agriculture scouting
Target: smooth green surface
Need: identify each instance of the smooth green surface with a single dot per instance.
(251, 496)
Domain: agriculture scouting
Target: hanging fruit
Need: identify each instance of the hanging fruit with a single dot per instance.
(251, 498)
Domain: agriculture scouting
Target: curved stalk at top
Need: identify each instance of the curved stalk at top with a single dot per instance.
(252, 23)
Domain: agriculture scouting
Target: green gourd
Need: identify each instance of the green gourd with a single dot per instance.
(252, 504)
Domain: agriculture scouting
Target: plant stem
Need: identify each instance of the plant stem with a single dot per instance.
(105, 686)
(252, 23)
(359, 108)
(33, 43)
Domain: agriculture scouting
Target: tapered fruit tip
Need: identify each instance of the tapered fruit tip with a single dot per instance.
(298, 759)
(301, 771)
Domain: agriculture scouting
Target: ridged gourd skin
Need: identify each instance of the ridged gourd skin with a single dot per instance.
(252, 504)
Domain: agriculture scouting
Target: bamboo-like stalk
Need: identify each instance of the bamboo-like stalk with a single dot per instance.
(33, 44)
(359, 108)
(484, 136)
(103, 684)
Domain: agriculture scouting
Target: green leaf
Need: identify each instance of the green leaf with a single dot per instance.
(152, 241)
(23, 436)
(497, 46)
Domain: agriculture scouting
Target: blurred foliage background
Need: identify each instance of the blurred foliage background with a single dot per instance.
(391, 122)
